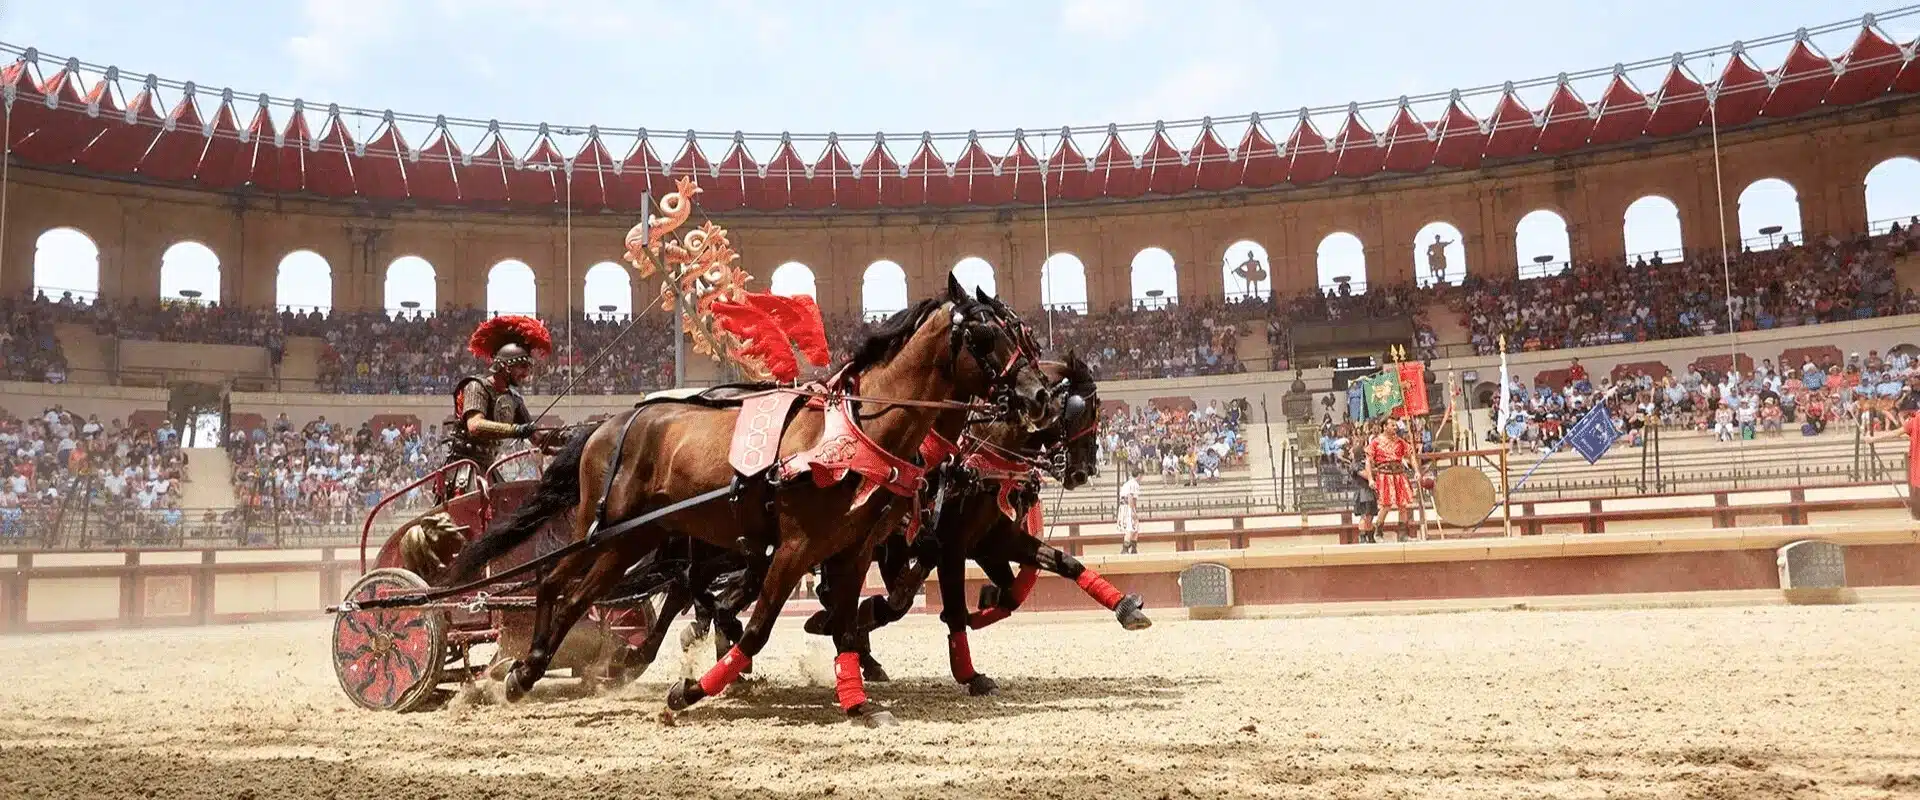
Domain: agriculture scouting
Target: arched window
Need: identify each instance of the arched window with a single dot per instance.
(305, 283)
(1893, 194)
(1769, 214)
(974, 272)
(66, 263)
(1063, 283)
(1155, 283)
(1541, 246)
(190, 271)
(883, 290)
(1652, 229)
(1245, 272)
(1439, 255)
(793, 278)
(412, 287)
(510, 288)
(1342, 264)
(608, 291)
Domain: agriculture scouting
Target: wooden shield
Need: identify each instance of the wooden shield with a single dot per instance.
(1463, 496)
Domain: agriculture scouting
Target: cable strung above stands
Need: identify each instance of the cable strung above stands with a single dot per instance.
(71, 115)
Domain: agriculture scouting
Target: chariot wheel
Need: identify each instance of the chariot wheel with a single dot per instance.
(389, 659)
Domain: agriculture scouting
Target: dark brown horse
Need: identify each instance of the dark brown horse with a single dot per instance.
(786, 518)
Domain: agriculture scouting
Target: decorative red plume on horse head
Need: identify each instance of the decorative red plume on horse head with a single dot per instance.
(498, 332)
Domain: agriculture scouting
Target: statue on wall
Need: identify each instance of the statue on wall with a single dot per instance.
(1437, 258)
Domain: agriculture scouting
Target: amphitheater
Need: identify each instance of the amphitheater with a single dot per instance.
(1637, 627)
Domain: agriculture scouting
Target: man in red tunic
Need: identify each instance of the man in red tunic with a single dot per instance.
(1389, 463)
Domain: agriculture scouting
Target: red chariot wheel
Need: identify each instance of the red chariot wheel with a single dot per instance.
(389, 659)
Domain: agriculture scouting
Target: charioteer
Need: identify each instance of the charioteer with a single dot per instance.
(488, 409)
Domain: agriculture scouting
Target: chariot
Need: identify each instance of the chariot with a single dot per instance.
(404, 658)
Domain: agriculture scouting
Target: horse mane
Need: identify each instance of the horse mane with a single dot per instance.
(886, 340)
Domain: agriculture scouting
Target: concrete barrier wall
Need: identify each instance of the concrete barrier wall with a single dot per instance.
(95, 590)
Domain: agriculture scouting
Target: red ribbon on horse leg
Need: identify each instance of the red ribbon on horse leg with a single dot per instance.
(847, 683)
(1022, 586)
(725, 672)
(960, 657)
(1098, 588)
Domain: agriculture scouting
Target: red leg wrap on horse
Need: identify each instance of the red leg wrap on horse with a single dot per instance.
(1022, 586)
(960, 657)
(725, 672)
(1099, 589)
(847, 682)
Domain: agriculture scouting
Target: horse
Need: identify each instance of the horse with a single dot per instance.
(992, 517)
(711, 580)
(666, 457)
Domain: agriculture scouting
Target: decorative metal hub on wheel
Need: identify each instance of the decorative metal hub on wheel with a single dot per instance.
(388, 659)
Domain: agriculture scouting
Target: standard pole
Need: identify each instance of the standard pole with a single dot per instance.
(1273, 466)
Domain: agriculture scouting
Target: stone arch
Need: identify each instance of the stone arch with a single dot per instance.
(1542, 232)
(1439, 244)
(793, 278)
(975, 272)
(411, 279)
(1246, 272)
(1651, 227)
(883, 289)
(190, 271)
(1341, 261)
(511, 288)
(1893, 193)
(66, 262)
(607, 291)
(304, 282)
(1063, 283)
(1153, 271)
(1764, 204)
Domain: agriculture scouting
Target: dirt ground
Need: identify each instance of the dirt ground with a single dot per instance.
(1711, 703)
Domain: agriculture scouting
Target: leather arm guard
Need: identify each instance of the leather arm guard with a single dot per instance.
(489, 429)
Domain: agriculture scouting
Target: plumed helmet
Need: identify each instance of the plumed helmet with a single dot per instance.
(509, 340)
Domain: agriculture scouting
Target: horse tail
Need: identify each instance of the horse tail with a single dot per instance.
(559, 490)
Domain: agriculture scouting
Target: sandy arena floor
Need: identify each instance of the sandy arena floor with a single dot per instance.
(1720, 703)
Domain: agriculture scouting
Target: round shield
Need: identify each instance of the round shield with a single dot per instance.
(1463, 496)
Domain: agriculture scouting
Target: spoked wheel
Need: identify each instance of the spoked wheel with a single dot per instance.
(389, 659)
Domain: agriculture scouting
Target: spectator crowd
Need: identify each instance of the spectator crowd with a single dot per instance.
(1824, 280)
(1182, 445)
(322, 473)
(57, 461)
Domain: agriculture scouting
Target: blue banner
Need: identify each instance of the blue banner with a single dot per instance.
(1593, 434)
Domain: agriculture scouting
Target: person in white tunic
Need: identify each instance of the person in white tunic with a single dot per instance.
(1125, 517)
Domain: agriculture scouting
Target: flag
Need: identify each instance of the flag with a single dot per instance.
(1383, 393)
(1506, 396)
(1593, 434)
(1413, 388)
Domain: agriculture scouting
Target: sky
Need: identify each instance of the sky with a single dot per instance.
(900, 67)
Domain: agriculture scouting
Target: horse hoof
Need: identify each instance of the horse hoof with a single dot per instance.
(982, 686)
(875, 674)
(817, 624)
(514, 685)
(989, 596)
(683, 695)
(872, 719)
(1129, 613)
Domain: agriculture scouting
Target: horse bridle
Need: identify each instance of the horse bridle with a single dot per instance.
(1003, 378)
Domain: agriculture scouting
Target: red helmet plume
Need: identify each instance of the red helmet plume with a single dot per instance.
(499, 332)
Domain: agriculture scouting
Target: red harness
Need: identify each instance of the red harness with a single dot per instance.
(1006, 473)
(844, 449)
